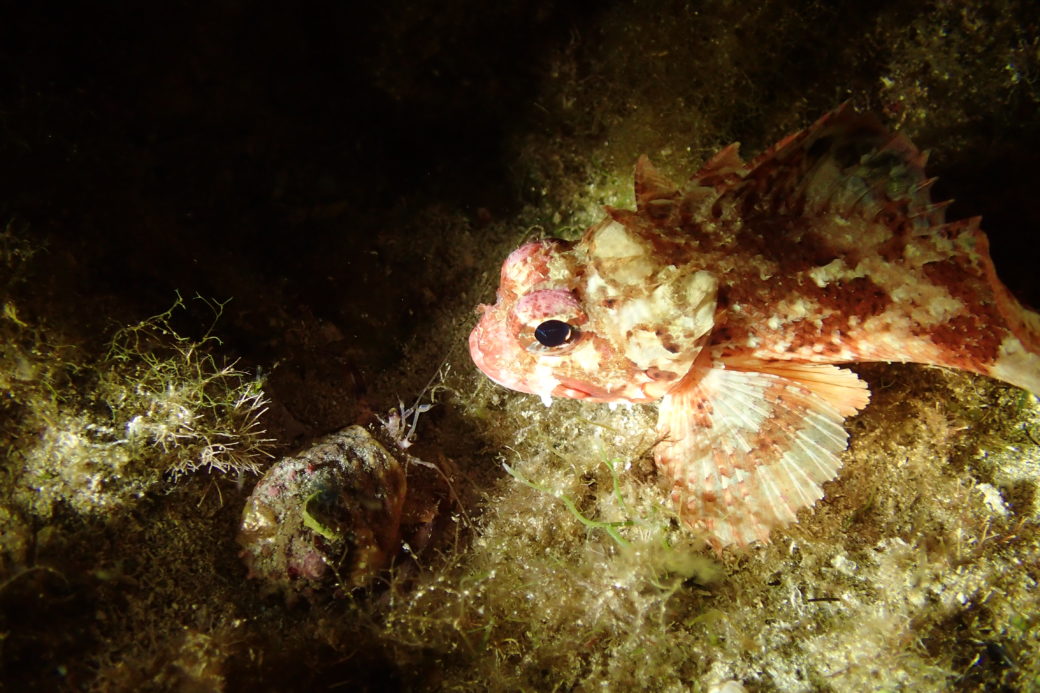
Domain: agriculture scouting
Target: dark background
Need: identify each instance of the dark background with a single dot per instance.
(268, 152)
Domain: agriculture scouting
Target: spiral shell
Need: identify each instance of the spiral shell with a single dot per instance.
(327, 517)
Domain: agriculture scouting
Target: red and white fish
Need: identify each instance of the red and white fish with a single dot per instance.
(730, 298)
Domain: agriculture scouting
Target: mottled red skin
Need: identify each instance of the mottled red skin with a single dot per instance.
(772, 219)
(731, 296)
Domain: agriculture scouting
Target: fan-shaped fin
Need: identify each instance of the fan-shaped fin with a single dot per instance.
(839, 386)
(745, 450)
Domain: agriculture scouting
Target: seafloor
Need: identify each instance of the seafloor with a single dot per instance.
(233, 227)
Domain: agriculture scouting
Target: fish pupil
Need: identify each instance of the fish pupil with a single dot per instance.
(553, 333)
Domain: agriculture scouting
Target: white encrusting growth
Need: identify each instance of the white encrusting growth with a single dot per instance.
(833, 271)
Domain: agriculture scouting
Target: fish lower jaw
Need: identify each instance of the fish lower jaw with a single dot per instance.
(633, 393)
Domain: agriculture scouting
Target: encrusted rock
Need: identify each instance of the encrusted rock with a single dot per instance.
(326, 517)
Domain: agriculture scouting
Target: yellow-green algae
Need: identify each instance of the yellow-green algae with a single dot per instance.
(918, 571)
(95, 433)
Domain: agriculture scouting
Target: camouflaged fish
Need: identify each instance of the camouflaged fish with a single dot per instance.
(730, 298)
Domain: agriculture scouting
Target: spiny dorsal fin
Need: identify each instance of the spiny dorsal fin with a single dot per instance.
(725, 162)
(655, 194)
(846, 164)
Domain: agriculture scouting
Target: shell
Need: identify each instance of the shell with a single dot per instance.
(328, 517)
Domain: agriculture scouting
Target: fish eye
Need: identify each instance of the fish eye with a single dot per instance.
(554, 333)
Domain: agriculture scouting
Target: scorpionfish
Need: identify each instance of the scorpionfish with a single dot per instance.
(731, 298)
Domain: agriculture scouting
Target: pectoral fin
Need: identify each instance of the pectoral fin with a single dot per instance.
(745, 450)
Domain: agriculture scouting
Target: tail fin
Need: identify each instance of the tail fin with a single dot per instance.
(1018, 361)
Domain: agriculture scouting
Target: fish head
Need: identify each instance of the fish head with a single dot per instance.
(609, 318)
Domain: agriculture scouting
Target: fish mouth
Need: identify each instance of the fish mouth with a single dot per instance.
(575, 391)
(579, 389)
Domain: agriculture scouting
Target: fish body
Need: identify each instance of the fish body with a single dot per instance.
(731, 299)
